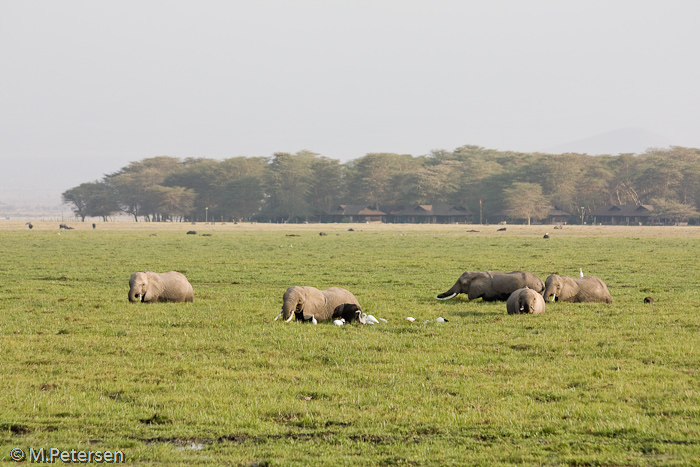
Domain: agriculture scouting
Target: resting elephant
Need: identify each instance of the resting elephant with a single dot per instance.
(492, 285)
(307, 302)
(525, 300)
(576, 289)
(150, 287)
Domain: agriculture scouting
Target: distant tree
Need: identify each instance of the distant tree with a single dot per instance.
(79, 198)
(433, 183)
(211, 179)
(287, 186)
(133, 184)
(243, 198)
(526, 201)
(380, 178)
(94, 199)
(169, 202)
(671, 210)
(326, 184)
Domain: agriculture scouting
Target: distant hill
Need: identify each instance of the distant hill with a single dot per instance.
(622, 141)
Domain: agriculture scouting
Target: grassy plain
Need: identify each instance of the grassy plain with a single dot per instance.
(218, 382)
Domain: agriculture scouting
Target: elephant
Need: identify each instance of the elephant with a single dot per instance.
(492, 285)
(305, 303)
(150, 287)
(576, 289)
(525, 300)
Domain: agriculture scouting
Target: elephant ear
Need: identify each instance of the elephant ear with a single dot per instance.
(315, 303)
(569, 288)
(480, 285)
(154, 287)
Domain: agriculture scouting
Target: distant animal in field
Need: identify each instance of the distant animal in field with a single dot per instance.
(29, 224)
(93, 226)
(546, 235)
(191, 232)
(492, 285)
(304, 302)
(576, 289)
(64, 226)
(649, 300)
(525, 301)
(502, 229)
(151, 287)
(322, 234)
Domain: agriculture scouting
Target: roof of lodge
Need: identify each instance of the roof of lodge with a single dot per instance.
(624, 210)
(355, 210)
(434, 210)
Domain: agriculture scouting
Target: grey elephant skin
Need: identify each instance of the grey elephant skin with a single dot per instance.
(576, 289)
(492, 285)
(151, 287)
(525, 301)
(303, 302)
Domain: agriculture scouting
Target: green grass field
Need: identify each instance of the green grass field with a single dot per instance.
(218, 382)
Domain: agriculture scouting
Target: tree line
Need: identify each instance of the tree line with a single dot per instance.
(305, 186)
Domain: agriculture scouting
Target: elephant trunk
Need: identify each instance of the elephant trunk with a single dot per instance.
(288, 312)
(450, 293)
(132, 296)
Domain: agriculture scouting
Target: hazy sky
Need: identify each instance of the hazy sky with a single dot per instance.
(87, 86)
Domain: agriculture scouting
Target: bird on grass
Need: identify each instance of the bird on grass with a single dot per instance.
(441, 320)
(313, 320)
(411, 319)
(369, 319)
(339, 322)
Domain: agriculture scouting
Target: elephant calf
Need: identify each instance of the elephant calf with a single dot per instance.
(303, 303)
(150, 287)
(525, 301)
(576, 289)
(492, 285)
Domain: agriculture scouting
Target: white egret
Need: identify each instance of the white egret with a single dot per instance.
(411, 319)
(313, 320)
(441, 320)
(371, 319)
(339, 322)
(580, 271)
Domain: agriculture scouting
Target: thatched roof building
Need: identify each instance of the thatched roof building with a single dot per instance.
(622, 214)
(433, 214)
(355, 213)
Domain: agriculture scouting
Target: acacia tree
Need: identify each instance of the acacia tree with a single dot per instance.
(526, 201)
(671, 210)
(326, 184)
(288, 184)
(171, 202)
(380, 178)
(94, 199)
(243, 198)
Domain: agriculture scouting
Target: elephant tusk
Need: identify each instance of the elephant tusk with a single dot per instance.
(554, 296)
(278, 315)
(446, 298)
(290, 318)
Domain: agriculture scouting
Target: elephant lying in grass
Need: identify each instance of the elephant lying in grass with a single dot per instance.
(525, 301)
(150, 287)
(305, 303)
(576, 289)
(492, 285)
